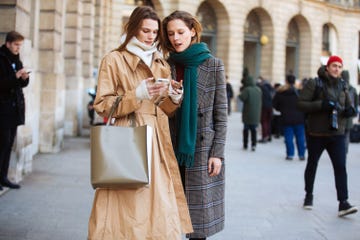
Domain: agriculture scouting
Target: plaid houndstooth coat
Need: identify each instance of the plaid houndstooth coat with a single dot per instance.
(205, 195)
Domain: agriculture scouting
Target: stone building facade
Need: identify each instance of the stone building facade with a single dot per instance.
(66, 39)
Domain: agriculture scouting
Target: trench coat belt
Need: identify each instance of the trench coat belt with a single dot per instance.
(148, 108)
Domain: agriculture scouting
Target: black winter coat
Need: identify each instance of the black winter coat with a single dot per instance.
(285, 101)
(12, 102)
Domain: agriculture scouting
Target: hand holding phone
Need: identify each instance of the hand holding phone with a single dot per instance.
(162, 81)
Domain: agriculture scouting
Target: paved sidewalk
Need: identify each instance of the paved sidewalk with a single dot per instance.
(264, 194)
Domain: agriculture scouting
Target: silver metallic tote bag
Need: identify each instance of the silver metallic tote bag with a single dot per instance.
(120, 156)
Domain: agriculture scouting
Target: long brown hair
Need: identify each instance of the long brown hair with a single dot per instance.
(133, 26)
(190, 21)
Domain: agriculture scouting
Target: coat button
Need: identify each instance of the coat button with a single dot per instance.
(201, 138)
(200, 114)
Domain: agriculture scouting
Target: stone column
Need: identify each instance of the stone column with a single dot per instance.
(119, 15)
(73, 69)
(278, 58)
(100, 9)
(87, 50)
(51, 65)
(105, 27)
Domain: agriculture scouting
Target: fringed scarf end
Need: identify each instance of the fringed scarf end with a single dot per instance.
(184, 159)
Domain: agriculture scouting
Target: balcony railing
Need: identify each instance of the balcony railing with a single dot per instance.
(345, 3)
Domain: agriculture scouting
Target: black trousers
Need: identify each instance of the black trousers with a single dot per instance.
(335, 146)
(7, 136)
(252, 129)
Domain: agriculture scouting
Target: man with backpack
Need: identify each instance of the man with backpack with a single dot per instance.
(327, 110)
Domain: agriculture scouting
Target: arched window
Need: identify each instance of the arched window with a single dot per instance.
(252, 27)
(292, 48)
(292, 33)
(207, 16)
(326, 40)
(252, 46)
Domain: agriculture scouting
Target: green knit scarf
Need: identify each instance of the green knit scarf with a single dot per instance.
(191, 58)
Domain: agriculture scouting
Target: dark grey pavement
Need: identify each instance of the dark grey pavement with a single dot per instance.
(264, 195)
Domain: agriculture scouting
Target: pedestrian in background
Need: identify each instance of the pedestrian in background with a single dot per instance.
(355, 102)
(90, 106)
(292, 120)
(251, 97)
(276, 128)
(159, 211)
(13, 78)
(229, 94)
(199, 126)
(266, 109)
(327, 114)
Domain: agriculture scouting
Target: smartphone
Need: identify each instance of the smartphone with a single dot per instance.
(28, 72)
(162, 80)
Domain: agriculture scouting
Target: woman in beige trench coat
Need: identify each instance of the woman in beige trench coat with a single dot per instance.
(159, 211)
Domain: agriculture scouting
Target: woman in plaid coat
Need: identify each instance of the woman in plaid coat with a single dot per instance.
(199, 126)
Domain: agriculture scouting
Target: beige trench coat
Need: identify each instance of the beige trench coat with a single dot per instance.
(157, 212)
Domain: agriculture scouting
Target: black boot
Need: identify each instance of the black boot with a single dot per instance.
(7, 183)
(245, 139)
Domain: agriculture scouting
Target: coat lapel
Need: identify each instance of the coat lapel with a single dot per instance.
(203, 81)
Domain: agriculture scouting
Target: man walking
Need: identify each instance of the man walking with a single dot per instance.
(13, 77)
(327, 104)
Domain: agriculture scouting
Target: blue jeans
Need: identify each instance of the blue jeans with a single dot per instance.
(299, 132)
(335, 146)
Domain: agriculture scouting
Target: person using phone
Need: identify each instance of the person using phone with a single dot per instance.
(133, 70)
(13, 77)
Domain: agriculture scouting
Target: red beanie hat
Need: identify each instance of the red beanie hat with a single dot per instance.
(334, 59)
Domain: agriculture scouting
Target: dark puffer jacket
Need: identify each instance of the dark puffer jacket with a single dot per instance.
(285, 101)
(12, 103)
(318, 121)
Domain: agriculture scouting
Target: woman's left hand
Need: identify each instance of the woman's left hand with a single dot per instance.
(214, 166)
(175, 91)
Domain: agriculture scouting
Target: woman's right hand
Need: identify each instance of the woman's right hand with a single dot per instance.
(156, 89)
(148, 89)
